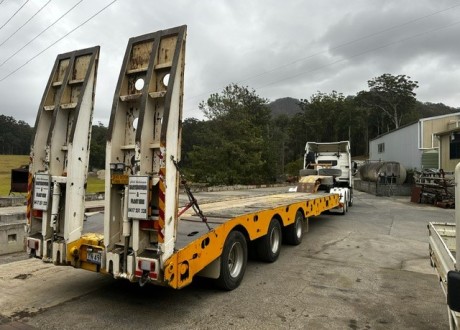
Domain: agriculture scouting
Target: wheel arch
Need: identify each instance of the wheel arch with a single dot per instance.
(301, 210)
(290, 215)
(242, 230)
(278, 218)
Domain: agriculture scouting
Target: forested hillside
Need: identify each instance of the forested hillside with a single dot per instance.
(15, 136)
(285, 106)
(245, 139)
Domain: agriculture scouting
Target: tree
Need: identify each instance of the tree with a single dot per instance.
(239, 143)
(15, 136)
(278, 141)
(326, 117)
(98, 143)
(392, 95)
(233, 146)
(191, 128)
(297, 137)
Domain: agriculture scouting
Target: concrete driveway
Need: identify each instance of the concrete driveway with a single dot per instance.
(368, 269)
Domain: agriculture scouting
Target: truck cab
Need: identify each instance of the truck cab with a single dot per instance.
(331, 159)
(330, 155)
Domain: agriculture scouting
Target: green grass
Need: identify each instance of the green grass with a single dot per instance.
(8, 162)
(95, 185)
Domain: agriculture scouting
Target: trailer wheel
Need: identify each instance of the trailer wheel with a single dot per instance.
(269, 246)
(294, 232)
(233, 261)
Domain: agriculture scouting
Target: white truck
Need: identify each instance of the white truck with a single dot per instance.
(148, 236)
(444, 243)
(324, 160)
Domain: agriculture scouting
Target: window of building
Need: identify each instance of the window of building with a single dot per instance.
(454, 146)
(381, 148)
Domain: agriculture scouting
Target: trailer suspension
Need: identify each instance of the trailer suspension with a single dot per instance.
(192, 200)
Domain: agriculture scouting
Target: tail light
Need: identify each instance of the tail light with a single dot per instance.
(146, 265)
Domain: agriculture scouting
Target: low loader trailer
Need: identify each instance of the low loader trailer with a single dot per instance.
(148, 237)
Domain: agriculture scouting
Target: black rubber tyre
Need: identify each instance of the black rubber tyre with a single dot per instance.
(307, 172)
(294, 232)
(269, 246)
(233, 261)
(330, 172)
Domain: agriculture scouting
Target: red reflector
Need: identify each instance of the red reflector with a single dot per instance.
(37, 213)
(151, 274)
(146, 224)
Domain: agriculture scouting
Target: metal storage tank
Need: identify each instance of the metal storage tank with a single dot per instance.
(383, 172)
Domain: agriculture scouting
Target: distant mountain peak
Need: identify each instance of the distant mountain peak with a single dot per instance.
(287, 105)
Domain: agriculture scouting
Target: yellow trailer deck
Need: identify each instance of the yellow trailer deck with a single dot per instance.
(253, 225)
(198, 248)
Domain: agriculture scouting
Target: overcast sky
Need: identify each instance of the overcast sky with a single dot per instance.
(278, 48)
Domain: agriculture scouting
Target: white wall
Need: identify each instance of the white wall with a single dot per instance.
(400, 146)
(15, 230)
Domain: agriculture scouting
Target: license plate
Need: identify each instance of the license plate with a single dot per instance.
(94, 257)
(119, 179)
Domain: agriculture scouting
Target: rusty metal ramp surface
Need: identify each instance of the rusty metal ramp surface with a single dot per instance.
(229, 209)
(190, 226)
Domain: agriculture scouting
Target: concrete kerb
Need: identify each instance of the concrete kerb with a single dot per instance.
(12, 235)
(203, 188)
(382, 190)
(13, 213)
(196, 188)
(6, 201)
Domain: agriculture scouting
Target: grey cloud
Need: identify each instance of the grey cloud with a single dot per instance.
(262, 44)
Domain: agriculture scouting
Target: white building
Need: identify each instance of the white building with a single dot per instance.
(415, 146)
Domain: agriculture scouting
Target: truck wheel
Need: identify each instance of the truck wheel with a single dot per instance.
(307, 172)
(233, 261)
(269, 246)
(294, 232)
(350, 203)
